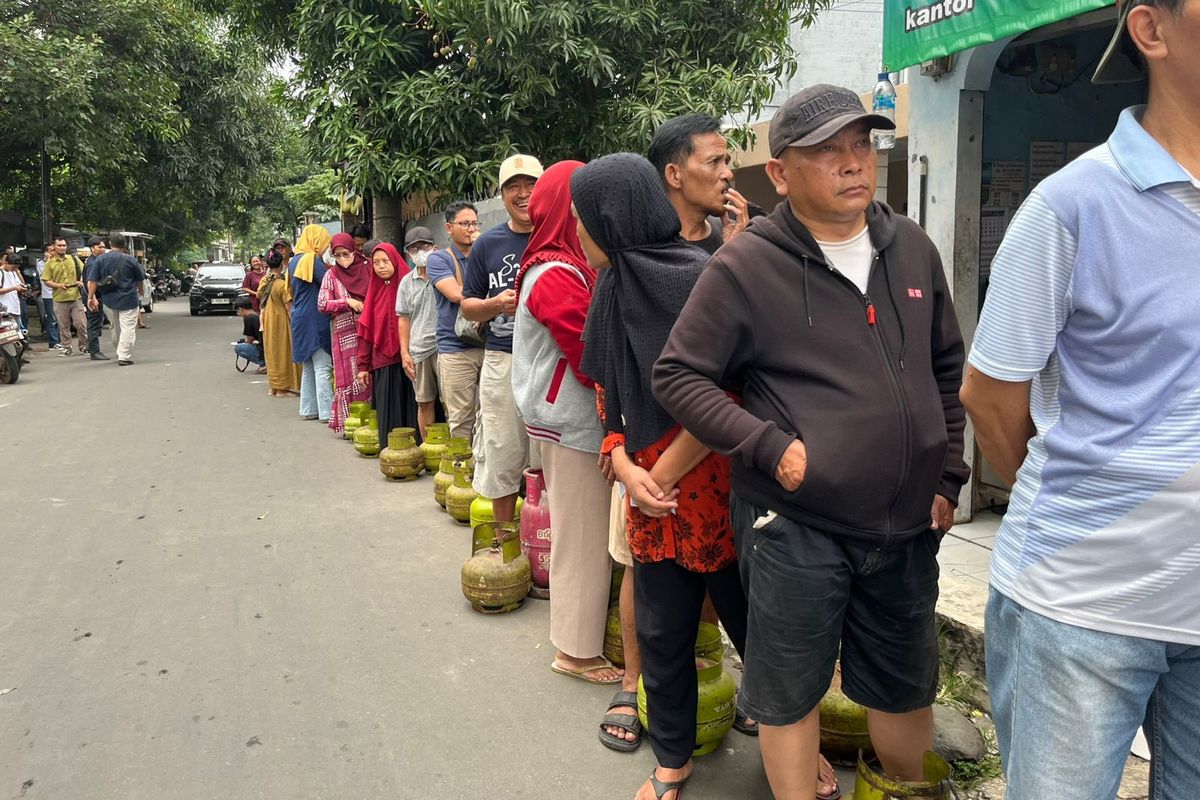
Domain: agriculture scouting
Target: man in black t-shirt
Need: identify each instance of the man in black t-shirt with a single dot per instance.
(692, 157)
(501, 444)
(250, 347)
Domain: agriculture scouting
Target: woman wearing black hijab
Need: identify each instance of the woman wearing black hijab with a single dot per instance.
(677, 522)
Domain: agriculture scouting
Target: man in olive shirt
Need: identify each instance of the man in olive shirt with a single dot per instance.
(64, 274)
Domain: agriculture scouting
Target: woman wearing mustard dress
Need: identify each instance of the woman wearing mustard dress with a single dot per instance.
(283, 376)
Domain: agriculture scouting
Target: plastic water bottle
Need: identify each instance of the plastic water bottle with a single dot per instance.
(883, 103)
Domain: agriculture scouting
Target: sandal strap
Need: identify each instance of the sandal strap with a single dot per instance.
(627, 722)
(662, 787)
(627, 699)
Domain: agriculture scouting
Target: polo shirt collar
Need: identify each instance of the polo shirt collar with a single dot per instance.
(1142, 159)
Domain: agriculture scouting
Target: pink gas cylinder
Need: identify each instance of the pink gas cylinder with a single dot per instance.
(535, 532)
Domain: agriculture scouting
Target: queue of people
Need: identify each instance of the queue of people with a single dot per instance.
(758, 413)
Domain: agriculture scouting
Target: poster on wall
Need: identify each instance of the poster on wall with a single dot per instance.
(921, 30)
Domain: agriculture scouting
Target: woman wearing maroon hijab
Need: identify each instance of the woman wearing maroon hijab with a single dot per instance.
(379, 362)
(343, 290)
(558, 403)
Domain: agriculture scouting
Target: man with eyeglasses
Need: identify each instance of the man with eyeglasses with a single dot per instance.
(502, 447)
(459, 359)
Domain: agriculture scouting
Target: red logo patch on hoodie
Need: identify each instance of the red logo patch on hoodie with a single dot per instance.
(915, 294)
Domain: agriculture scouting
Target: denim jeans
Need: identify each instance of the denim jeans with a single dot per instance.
(49, 321)
(249, 352)
(1067, 702)
(316, 388)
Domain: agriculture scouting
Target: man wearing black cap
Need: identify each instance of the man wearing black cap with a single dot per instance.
(834, 316)
(1082, 385)
(416, 311)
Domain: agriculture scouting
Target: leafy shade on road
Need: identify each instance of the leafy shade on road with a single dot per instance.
(157, 116)
(428, 96)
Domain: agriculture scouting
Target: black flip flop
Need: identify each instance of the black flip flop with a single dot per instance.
(629, 722)
(662, 787)
(743, 725)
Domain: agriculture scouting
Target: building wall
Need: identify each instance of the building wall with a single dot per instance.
(844, 47)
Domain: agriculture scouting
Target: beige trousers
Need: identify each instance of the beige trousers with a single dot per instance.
(580, 568)
(66, 313)
(501, 444)
(458, 381)
(124, 331)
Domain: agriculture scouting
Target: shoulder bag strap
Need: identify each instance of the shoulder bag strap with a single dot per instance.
(457, 268)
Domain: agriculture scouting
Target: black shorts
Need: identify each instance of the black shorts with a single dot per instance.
(808, 591)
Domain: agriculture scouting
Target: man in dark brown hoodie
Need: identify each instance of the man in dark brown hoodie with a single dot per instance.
(832, 319)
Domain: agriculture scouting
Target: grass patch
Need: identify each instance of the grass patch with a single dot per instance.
(969, 774)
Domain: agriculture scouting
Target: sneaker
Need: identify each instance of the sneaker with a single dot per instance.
(100, 357)
(56, 347)
(64, 351)
(125, 363)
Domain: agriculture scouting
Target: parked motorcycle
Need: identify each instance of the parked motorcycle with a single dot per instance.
(12, 348)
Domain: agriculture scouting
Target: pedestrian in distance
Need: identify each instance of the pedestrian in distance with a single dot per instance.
(250, 347)
(836, 321)
(119, 278)
(416, 315)
(11, 284)
(253, 278)
(1082, 386)
(459, 359)
(46, 304)
(361, 234)
(380, 365)
(343, 290)
(275, 300)
(501, 445)
(64, 274)
(95, 318)
(312, 345)
(284, 248)
(558, 404)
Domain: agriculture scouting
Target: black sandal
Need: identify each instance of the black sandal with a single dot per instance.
(628, 722)
(743, 724)
(662, 787)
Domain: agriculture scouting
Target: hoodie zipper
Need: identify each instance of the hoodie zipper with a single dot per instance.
(896, 386)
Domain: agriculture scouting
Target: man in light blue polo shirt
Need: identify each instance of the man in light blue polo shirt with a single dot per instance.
(1084, 388)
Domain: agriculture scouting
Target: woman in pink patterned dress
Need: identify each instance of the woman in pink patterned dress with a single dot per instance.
(342, 292)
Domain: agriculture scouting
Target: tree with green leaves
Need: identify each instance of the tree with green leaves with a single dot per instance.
(156, 115)
(428, 96)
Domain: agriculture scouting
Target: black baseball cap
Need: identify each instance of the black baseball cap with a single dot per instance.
(817, 113)
(418, 235)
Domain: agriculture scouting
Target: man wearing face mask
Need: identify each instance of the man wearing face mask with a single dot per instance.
(501, 444)
(416, 310)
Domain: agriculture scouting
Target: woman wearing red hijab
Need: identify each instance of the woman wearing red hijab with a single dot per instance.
(558, 403)
(379, 362)
(343, 290)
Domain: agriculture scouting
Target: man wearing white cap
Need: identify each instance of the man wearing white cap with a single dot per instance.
(501, 444)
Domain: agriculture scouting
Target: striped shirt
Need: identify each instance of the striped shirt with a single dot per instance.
(1094, 299)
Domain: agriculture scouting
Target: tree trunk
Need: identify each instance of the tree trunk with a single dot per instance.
(388, 225)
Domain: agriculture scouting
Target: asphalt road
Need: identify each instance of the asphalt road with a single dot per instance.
(204, 596)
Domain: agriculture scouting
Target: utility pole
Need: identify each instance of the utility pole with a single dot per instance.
(47, 202)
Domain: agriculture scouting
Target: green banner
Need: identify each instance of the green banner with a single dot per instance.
(920, 30)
